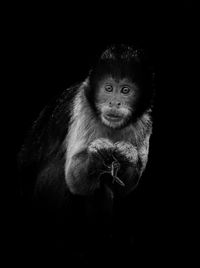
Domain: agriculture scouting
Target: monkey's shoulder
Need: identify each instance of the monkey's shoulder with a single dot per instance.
(49, 129)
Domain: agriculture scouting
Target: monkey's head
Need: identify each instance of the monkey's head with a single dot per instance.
(120, 86)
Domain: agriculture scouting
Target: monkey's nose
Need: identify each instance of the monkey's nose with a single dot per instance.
(116, 104)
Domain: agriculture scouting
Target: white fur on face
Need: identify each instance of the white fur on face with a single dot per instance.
(110, 124)
(123, 112)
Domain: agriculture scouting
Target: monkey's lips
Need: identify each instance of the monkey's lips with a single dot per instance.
(113, 117)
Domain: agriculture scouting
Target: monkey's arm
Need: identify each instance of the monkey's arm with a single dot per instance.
(133, 162)
(83, 168)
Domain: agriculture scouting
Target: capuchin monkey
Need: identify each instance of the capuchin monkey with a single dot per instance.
(111, 124)
(95, 137)
(97, 132)
(93, 141)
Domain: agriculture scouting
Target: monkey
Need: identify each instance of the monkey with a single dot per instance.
(96, 135)
(115, 101)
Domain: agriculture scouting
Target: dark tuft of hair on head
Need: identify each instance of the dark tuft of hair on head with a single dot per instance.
(123, 61)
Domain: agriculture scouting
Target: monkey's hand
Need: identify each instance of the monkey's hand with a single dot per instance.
(99, 145)
(102, 148)
(126, 151)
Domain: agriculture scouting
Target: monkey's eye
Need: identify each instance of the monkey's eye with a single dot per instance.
(109, 88)
(125, 90)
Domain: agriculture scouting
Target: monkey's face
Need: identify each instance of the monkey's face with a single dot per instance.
(115, 99)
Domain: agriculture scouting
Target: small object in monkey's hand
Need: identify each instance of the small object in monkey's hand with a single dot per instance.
(112, 170)
(115, 166)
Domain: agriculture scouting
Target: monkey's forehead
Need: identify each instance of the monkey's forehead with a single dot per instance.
(112, 79)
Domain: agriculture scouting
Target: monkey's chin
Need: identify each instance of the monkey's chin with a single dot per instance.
(112, 122)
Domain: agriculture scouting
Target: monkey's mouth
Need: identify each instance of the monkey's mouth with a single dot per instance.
(113, 117)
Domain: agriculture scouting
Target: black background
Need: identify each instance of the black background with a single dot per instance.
(50, 48)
